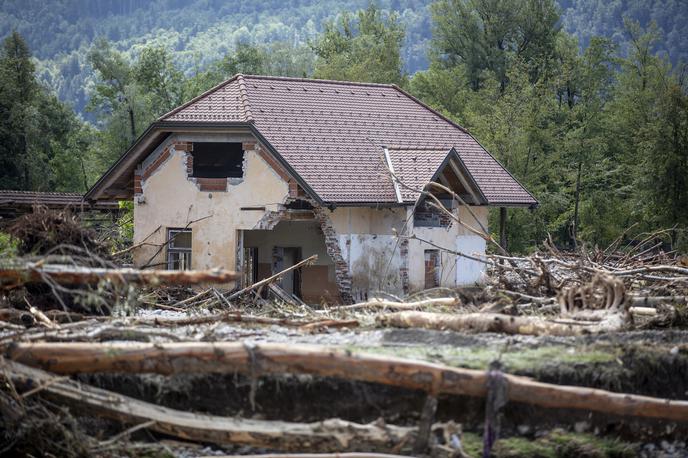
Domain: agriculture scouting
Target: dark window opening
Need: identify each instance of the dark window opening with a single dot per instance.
(427, 215)
(179, 249)
(299, 205)
(218, 160)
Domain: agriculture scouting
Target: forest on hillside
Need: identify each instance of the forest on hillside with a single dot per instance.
(199, 32)
(596, 127)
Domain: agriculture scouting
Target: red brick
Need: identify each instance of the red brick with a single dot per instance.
(212, 184)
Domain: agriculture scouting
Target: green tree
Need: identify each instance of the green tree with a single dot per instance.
(18, 89)
(484, 35)
(366, 48)
(115, 93)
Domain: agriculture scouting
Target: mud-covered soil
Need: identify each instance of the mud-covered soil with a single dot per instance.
(652, 363)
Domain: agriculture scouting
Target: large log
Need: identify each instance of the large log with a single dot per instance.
(497, 322)
(326, 436)
(71, 275)
(225, 357)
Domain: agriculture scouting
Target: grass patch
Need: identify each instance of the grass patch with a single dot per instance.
(556, 444)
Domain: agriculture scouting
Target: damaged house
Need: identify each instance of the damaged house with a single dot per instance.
(261, 172)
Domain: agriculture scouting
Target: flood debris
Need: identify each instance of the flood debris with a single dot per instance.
(72, 311)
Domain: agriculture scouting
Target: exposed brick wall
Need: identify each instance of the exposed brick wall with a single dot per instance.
(156, 163)
(404, 270)
(212, 184)
(189, 164)
(293, 188)
(138, 189)
(341, 268)
(183, 146)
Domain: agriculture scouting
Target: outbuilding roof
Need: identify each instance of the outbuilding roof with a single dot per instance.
(333, 134)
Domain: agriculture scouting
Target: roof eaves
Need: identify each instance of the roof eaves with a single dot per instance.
(158, 126)
(453, 152)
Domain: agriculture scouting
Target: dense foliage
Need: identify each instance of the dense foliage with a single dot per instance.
(200, 32)
(596, 129)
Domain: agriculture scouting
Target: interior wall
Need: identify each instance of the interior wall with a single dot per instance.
(368, 244)
(318, 280)
(454, 270)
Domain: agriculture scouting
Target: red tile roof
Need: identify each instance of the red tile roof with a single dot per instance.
(12, 198)
(332, 134)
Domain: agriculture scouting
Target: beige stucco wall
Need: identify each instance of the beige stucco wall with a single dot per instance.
(456, 238)
(170, 200)
(375, 257)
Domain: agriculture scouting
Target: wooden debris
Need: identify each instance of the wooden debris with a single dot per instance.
(324, 436)
(197, 357)
(385, 304)
(72, 275)
(237, 317)
(308, 261)
(497, 322)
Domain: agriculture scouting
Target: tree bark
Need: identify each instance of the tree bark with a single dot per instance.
(496, 322)
(576, 204)
(197, 357)
(502, 228)
(325, 436)
(70, 275)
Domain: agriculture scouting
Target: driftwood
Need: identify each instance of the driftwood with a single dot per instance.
(71, 275)
(385, 304)
(497, 322)
(325, 436)
(236, 317)
(281, 358)
(272, 278)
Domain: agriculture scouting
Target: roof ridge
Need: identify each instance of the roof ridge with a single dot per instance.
(243, 97)
(198, 97)
(317, 80)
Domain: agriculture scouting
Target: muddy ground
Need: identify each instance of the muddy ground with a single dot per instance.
(653, 363)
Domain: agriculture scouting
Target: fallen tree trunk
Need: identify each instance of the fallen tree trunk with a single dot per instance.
(326, 436)
(381, 303)
(235, 317)
(497, 322)
(197, 357)
(71, 275)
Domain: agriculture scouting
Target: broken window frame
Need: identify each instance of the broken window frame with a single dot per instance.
(178, 257)
(427, 216)
(232, 167)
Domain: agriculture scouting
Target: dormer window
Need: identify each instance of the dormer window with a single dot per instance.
(217, 160)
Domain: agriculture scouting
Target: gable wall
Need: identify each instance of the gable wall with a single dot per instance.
(169, 199)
